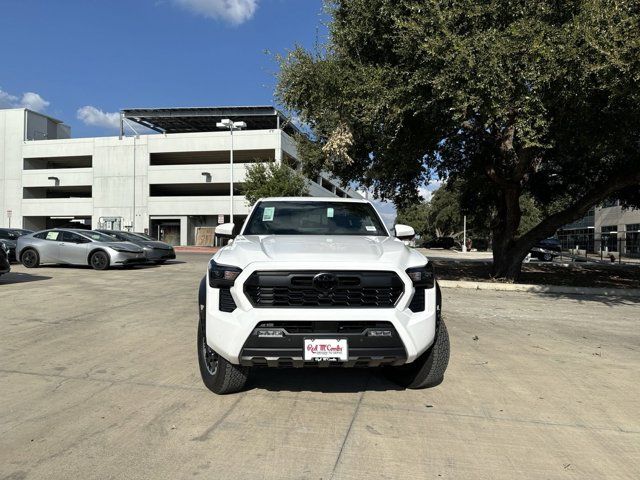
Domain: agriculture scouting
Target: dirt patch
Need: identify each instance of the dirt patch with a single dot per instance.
(577, 275)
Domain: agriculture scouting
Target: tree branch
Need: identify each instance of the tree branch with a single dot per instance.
(579, 208)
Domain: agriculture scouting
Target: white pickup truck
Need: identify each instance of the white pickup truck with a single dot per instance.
(319, 282)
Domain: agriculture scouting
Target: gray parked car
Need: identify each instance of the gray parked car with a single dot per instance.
(77, 247)
(9, 238)
(155, 251)
(4, 261)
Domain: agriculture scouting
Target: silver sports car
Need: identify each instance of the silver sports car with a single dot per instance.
(77, 247)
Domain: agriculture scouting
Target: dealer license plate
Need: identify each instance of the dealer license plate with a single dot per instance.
(326, 349)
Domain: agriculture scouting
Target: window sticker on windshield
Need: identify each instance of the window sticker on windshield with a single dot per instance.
(52, 235)
(329, 212)
(371, 228)
(267, 214)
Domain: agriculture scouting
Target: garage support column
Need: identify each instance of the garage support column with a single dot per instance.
(184, 231)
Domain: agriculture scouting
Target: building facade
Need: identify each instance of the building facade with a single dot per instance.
(168, 183)
(606, 228)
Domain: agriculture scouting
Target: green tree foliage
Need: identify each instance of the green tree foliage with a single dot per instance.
(415, 215)
(273, 180)
(514, 98)
(443, 215)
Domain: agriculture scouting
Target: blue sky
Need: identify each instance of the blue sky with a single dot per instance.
(108, 55)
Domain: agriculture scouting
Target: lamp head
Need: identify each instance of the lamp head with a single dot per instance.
(224, 123)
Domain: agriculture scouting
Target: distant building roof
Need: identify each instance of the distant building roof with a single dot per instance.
(204, 119)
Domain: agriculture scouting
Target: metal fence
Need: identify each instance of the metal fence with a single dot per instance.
(612, 246)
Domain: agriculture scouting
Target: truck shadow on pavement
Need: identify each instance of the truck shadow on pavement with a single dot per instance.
(325, 380)
(11, 277)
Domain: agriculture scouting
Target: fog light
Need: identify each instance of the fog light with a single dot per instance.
(269, 333)
(379, 333)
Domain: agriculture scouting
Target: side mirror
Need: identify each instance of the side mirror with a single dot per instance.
(405, 232)
(225, 230)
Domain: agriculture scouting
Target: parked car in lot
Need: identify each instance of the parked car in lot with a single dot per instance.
(441, 242)
(155, 251)
(319, 282)
(77, 247)
(5, 267)
(9, 238)
(21, 231)
(547, 249)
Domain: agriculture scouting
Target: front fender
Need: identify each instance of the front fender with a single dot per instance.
(202, 297)
(438, 303)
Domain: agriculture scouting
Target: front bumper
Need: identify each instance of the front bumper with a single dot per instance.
(230, 334)
(128, 258)
(371, 344)
(158, 254)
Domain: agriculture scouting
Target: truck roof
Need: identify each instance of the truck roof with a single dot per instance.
(313, 199)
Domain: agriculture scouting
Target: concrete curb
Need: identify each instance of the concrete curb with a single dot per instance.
(515, 287)
(196, 249)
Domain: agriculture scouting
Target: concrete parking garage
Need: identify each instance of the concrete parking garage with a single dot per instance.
(99, 379)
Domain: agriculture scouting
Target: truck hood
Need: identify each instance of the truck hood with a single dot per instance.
(318, 248)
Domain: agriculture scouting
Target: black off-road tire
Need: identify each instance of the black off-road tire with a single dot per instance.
(99, 260)
(428, 369)
(547, 257)
(219, 375)
(30, 258)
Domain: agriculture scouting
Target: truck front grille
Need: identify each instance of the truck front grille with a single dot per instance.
(375, 289)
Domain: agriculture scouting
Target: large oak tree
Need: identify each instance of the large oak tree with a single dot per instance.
(508, 97)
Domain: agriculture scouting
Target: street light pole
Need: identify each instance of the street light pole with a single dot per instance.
(231, 178)
(227, 123)
(464, 235)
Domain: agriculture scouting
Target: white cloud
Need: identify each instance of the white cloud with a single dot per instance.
(34, 101)
(94, 116)
(30, 100)
(7, 100)
(425, 193)
(232, 11)
(426, 190)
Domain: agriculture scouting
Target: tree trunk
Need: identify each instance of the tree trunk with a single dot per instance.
(507, 262)
(507, 252)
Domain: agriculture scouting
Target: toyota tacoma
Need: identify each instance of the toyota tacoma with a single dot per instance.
(319, 282)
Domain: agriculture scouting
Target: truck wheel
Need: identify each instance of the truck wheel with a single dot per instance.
(30, 258)
(219, 375)
(428, 369)
(547, 257)
(99, 261)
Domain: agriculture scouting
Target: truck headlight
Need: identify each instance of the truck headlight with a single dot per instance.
(222, 275)
(422, 276)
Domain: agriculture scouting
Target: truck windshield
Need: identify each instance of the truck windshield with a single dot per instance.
(314, 218)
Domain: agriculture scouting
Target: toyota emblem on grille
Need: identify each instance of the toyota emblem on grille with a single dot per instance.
(325, 281)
